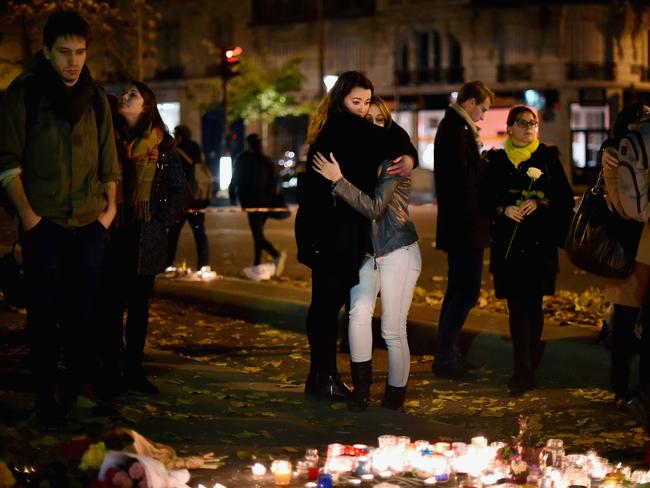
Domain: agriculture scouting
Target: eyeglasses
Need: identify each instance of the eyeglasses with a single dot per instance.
(522, 124)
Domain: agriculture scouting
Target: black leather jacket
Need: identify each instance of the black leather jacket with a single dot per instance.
(391, 226)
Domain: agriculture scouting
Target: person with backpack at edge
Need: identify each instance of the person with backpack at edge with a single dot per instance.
(190, 154)
(632, 294)
(61, 177)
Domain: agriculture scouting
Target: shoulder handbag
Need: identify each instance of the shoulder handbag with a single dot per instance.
(200, 184)
(600, 241)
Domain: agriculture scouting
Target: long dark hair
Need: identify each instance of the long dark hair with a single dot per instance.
(333, 101)
(150, 116)
(630, 114)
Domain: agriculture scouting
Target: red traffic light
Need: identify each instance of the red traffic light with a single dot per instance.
(231, 54)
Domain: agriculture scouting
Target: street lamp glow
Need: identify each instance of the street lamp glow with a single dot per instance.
(329, 81)
(225, 172)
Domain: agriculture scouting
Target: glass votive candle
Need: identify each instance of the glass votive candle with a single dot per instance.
(281, 470)
(441, 447)
(335, 449)
(362, 465)
(479, 442)
(360, 449)
(402, 442)
(386, 441)
(258, 470)
(459, 448)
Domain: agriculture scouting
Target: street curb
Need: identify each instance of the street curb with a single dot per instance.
(286, 307)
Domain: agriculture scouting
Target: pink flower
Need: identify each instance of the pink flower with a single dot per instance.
(136, 471)
(122, 480)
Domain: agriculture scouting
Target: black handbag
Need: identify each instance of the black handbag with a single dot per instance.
(600, 241)
(279, 202)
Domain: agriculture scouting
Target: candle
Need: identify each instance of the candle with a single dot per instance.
(479, 442)
(258, 469)
(281, 470)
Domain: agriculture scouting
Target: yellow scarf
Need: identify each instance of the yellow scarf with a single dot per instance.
(518, 155)
(140, 158)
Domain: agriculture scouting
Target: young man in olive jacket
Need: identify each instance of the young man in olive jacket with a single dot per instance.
(58, 167)
(461, 231)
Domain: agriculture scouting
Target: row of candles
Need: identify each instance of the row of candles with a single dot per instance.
(469, 465)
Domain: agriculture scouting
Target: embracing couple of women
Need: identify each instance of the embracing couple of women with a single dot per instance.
(354, 231)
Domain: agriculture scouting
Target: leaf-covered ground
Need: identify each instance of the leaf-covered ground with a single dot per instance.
(584, 417)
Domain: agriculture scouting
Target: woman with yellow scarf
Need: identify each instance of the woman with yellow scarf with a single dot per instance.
(150, 198)
(526, 194)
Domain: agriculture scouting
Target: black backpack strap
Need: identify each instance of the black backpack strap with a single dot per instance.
(32, 100)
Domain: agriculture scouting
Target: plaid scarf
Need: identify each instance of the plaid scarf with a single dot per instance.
(139, 158)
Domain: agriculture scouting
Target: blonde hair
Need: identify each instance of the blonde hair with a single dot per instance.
(383, 108)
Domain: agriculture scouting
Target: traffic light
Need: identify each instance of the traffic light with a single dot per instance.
(230, 59)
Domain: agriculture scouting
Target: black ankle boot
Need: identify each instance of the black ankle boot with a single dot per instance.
(394, 397)
(332, 389)
(361, 379)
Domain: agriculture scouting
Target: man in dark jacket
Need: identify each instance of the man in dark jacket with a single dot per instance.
(58, 167)
(461, 231)
(254, 181)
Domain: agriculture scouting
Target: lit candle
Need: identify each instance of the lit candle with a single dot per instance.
(479, 442)
(258, 469)
(367, 477)
(281, 472)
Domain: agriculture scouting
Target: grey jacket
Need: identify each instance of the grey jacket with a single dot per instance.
(387, 208)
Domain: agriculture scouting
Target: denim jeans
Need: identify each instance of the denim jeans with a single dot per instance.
(197, 224)
(62, 270)
(465, 270)
(395, 275)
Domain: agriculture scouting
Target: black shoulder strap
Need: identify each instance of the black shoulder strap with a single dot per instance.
(32, 97)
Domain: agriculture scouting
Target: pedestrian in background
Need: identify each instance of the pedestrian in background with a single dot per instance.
(630, 294)
(151, 199)
(461, 231)
(190, 154)
(254, 182)
(61, 179)
(524, 190)
(333, 238)
(391, 267)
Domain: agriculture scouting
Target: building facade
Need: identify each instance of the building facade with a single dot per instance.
(578, 62)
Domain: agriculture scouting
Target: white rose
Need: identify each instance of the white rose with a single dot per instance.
(534, 173)
(519, 467)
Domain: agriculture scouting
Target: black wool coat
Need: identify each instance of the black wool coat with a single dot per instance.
(330, 233)
(142, 246)
(458, 168)
(532, 263)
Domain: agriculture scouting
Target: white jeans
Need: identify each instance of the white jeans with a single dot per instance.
(395, 274)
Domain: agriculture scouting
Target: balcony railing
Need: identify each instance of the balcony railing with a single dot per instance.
(430, 75)
(590, 71)
(515, 72)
